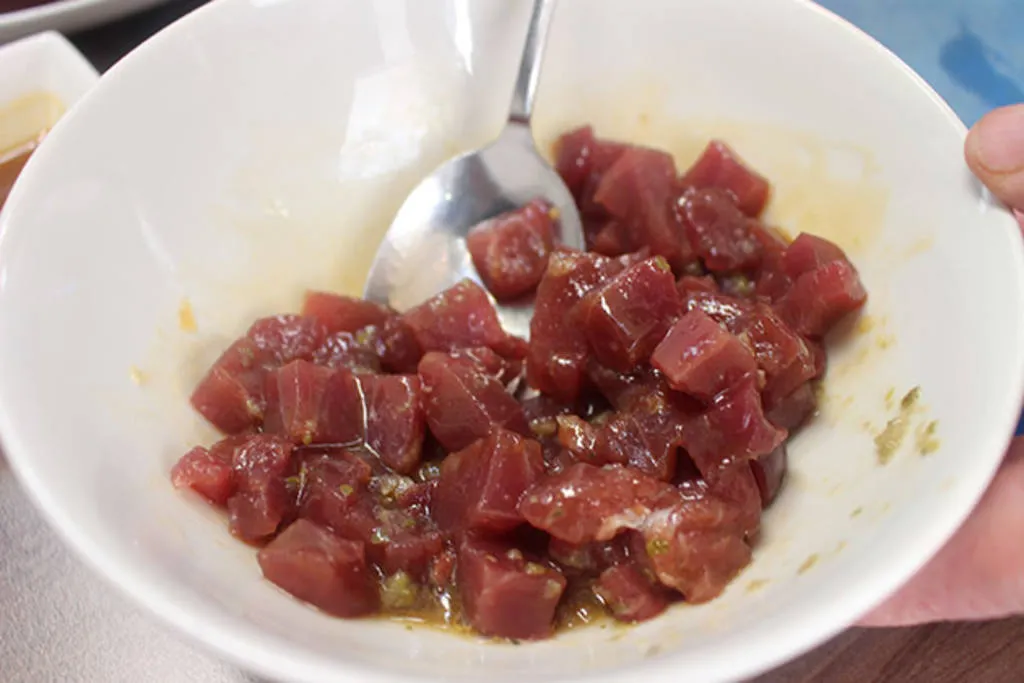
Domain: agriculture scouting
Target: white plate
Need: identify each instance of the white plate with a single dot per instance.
(67, 16)
(259, 146)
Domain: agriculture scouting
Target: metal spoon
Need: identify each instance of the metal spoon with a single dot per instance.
(424, 251)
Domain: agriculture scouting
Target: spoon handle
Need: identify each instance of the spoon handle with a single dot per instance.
(529, 68)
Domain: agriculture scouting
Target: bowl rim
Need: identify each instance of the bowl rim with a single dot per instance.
(254, 654)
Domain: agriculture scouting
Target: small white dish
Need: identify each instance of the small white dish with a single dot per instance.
(47, 63)
(67, 16)
(258, 148)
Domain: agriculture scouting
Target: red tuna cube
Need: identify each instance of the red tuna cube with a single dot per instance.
(511, 251)
(299, 395)
(463, 403)
(210, 476)
(261, 500)
(701, 358)
(504, 594)
(629, 595)
(284, 338)
(339, 313)
(639, 191)
(558, 347)
(317, 567)
(695, 549)
(230, 396)
(626, 317)
(582, 160)
(781, 353)
(791, 412)
(719, 232)
(345, 350)
(586, 503)
(460, 317)
(770, 471)
(480, 486)
(331, 488)
(808, 252)
(822, 297)
(394, 420)
(733, 429)
(719, 167)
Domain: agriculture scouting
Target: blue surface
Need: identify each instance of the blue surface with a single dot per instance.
(971, 51)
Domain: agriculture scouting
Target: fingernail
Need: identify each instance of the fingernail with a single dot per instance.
(997, 142)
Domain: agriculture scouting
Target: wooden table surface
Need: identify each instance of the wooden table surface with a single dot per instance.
(943, 653)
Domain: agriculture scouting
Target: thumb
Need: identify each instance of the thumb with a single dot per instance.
(995, 152)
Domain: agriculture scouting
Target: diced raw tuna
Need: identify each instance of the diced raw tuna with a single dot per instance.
(646, 436)
(504, 370)
(809, 252)
(701, 358)
(611, 238)
(737, 486)
(722, 308)
(463, 403)
(718, 231)
(210, 476)
(395, 539)
(719, 167)
(504, 594)
(394, 420)
(771, 280)
(460, 317)
(821, 297)
(781, 353)
(693, 284)
(732, 430)
(397, 346)
(625, 318)
(629, 595)
(623, 389)
(695, 548)
(770, 471)
(317, 567)
(638, 191)
(339, 313)
(345, 350)
(558, 347)
(582, 160)
(343, 410)
(330, 488)
(586, 503)
(511, 251)
(261, 499)
(791, 412)
(230, 396)
(284, 338)
(480, 486)
(300, 396)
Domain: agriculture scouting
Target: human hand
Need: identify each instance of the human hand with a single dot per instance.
(979, 574)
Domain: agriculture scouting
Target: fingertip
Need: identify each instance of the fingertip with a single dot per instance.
(994, 150)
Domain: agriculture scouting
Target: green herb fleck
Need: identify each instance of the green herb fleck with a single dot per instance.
(657, 546)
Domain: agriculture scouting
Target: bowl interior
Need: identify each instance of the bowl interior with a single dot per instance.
(260, 148)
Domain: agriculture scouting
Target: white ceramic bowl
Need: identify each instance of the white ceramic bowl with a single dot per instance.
(258, 148)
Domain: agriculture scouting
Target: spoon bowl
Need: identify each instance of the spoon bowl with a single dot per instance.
(424, 251)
